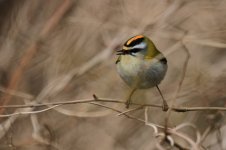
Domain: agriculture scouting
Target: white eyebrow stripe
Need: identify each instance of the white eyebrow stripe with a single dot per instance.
(140, 46)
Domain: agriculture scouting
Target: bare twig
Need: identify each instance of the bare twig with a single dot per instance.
(126, 115)
(5, 125)
(147, 122)
(131, 110)
(38, 135)
(185, 137)
(183, 125)
(108, 100)
(28, 112)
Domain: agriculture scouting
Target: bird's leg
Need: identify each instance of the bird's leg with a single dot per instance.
(129, 97)
(134, 87)
(165, 106)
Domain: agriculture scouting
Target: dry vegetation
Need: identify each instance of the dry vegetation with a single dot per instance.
(64, 50)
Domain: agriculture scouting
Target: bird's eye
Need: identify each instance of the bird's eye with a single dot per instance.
(135, 50)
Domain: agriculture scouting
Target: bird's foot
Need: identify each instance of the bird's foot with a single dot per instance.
(165, 106)
(127, 103)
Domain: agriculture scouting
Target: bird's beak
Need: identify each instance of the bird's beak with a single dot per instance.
(120, 52)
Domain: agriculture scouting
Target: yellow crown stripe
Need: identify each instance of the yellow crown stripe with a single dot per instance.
(134, 38)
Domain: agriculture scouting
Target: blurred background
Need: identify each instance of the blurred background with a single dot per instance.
(61, 50)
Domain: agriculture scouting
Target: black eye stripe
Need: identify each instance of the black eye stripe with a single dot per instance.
(134, 42)
(135, 50)
(130, 52)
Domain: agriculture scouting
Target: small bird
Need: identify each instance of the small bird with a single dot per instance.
(141, 65)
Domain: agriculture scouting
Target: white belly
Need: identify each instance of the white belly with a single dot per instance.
(140, 73)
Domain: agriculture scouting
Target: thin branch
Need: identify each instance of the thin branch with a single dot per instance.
(6, 124)
(185, 137)
(170, 139)
(28, 112)
(126, 115)
(131, 110)
(108, 100)
(38, 133)
(147, 122)
(183, 125)
(180, 147)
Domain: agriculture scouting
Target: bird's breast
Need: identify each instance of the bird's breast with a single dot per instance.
(148, 73)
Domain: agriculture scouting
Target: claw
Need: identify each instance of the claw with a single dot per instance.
(165, 106)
